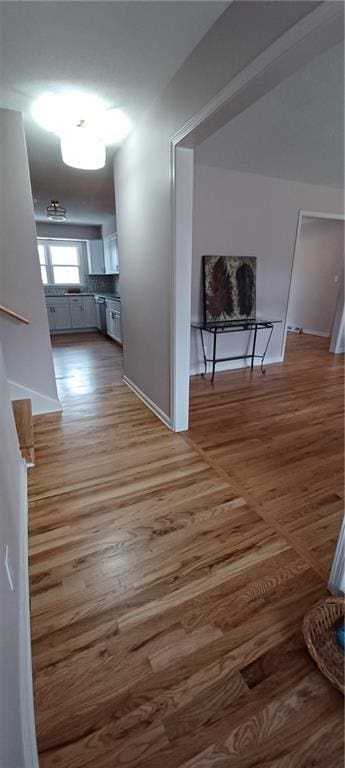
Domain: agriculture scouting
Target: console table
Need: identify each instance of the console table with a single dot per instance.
(234, 326)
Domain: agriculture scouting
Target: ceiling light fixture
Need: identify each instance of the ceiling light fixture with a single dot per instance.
(56, 212)
(82, 148)
(84, 123)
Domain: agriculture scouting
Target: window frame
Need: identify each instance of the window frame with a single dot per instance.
(47, 243)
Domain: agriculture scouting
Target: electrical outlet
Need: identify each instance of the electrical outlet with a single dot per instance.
(8, 568)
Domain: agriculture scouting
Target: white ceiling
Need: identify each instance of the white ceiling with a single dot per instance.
(296, 131)
(125, 52)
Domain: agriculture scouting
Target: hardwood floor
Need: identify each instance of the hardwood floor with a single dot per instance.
(166, 609)
(280, 438)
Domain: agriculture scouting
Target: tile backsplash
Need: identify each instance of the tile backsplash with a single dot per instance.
(92, 284)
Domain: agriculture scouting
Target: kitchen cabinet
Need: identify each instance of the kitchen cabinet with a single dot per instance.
(95, 257)
(113, 314)
(59, 316)
(90, 320)
(51, 318)
(111, 256)
(110, 323)
(71, 312)
(77, 311)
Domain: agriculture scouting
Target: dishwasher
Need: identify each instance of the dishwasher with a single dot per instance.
(101, 314)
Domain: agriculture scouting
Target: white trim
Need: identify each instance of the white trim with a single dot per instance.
(311, 215)
(62, 331)
(316, 333)
(323, 215)
(47, 244)
(321, 29)
(40, 403)
(338, 328)
(232, 365)
(336, 583)
(182, 215)
(150, 404)
(25, 662)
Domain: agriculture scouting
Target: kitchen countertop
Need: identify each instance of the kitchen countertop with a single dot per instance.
(108, 296)
(83, 293)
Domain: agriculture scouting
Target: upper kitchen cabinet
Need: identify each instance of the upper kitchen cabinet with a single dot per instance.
(95, 257)
(111, 257)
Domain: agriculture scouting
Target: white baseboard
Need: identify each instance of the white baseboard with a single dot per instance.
(316, 333)
(25, 664)
(232, 365)
(40, 403)
(92, 329)
(150, 404)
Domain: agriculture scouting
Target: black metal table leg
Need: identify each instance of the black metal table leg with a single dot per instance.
(254, 343)
(263, 370)
(214, 353)
(203, 351)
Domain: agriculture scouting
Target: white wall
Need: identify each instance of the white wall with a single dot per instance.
(109, 226)
(12, 619)
(143, 185)
(242, 214)
(69, 231)
(26, 349)
(318, 261)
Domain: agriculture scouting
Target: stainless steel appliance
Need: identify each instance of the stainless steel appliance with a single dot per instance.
(101, 314)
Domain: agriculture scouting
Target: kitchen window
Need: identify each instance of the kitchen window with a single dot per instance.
(60, 262)
(43, 264)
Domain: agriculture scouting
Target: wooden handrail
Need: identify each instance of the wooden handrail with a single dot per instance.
(10, 313)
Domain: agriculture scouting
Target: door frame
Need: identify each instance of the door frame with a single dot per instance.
(312, 215)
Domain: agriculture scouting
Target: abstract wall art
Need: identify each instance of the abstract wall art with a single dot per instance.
(229, 288)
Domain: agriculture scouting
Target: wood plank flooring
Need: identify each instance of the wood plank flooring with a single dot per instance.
(166, 609)
(280, 438)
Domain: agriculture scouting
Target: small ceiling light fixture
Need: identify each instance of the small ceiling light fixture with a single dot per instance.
(56, 212)
(85, 124)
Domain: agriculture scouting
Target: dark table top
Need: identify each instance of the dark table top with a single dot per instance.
(228, 325)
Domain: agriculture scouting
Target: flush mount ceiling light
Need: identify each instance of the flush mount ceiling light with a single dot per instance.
(82, 148)
(56, 212)
(84, 123)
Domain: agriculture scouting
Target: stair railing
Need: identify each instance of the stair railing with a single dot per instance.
(14, 315)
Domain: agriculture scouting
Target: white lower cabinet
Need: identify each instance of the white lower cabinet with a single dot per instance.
(77, 311)
(59, 315)
(113, 314)
(62, 317)
(110, 323)
(90, 318)
(66, 313)
(51, 318)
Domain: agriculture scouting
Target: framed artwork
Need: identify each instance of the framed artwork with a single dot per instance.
(229, 288)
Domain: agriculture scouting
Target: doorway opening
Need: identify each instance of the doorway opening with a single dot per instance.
(316, 296)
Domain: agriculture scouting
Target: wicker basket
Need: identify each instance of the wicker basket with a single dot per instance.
(320, 635)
